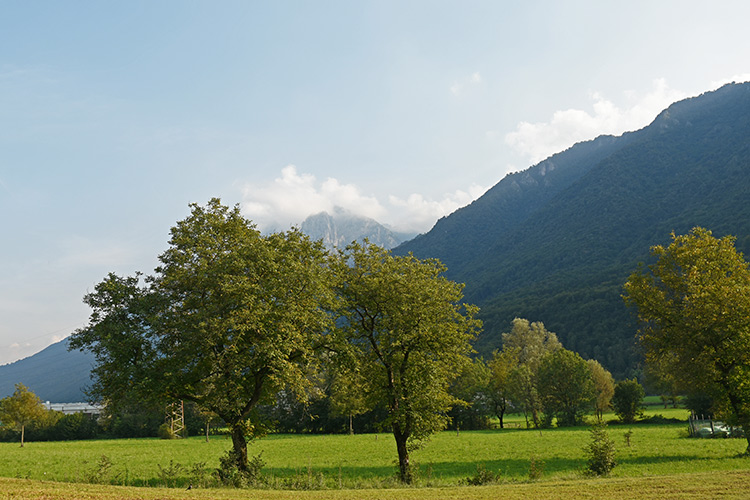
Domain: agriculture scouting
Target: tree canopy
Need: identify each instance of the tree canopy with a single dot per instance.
(565, 386)
(21, 409)
(229, 317)
(407, 330)
(693, 306)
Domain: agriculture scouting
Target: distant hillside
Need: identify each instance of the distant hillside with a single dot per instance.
(341, 228)
(556, 242)
(53, 374)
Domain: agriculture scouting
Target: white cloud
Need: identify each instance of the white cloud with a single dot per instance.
(740, 78)
(294, 196)
(289, 199)
(458, 88)
(538, 141)
(417, 213)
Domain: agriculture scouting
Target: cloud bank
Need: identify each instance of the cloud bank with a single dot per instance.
(537, 141)
(294, 196)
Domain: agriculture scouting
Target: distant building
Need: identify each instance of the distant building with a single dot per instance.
(70, 408)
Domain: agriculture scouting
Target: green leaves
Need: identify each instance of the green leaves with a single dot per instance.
(20, 409)
(693, 306)
(229, 318)
(409, 334)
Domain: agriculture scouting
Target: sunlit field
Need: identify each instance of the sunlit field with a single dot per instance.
(366, 463)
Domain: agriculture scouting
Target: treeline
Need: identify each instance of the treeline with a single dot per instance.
(32, 419)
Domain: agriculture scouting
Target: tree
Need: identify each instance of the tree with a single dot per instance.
(522, 385)
(348, 395)
(604, 385)
(405, 329)
(20, 409)
(693, 307)
(565, 386)
(530, 342)
(471, 386)
(499, 387)
(228, 319)
(628, 400)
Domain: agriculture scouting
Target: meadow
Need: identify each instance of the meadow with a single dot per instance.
(657, 453)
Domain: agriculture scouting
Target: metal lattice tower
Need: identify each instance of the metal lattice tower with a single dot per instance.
(176, 418)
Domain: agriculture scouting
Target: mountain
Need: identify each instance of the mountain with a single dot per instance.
(556, 242)
(54, 374)
(342, 227)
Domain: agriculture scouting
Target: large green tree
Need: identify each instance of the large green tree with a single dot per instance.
(627, 400)
(20, 409)
(409, 333)
(229, 317)
(530, 341)
(566, 387)
(694, 311)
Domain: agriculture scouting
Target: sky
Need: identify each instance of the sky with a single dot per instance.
(115, 116)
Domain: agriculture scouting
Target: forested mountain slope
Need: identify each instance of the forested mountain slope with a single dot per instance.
(54, 374)
(558, 248)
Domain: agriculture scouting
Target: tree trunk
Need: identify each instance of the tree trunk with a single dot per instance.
(404, 468)
(207, 425)
(23, 427)
(239, 446)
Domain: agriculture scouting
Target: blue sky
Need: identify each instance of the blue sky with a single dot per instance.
(114, 116)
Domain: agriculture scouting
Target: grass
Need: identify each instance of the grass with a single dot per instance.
(725, 485)
(660, 461)
(335, 461)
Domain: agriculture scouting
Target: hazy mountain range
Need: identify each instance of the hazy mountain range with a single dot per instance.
(555, 242)
(342, 227)
(54, 374)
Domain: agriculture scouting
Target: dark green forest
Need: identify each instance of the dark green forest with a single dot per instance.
(556, 242)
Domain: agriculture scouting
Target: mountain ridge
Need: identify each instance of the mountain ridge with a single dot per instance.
(342, 227)
(564, 260)
(55, 374)
(555, 242)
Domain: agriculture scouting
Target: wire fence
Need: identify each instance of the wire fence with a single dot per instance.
(708, 428)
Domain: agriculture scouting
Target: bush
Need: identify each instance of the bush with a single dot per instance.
(601, 451)
(230, 475)
(166, 432)
(75, 426)
(536, 468)
(482, 476)
(627, 401)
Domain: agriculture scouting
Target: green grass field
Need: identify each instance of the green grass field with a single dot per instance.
(366, 464)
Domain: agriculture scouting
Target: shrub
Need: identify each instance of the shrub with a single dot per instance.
(601, 451)
(100, 473)
(230, 475)
(482, 476)
(168, 475)
(166, 432)
(536, 468)
(628, 400)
